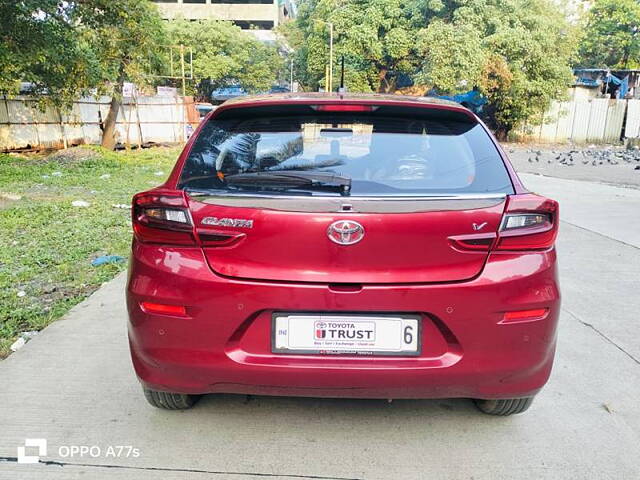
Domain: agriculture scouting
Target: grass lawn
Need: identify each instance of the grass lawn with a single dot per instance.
(47, 245)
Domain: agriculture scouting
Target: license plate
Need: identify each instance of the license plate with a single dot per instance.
(356, 334)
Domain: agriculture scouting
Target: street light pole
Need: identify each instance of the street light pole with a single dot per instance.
(291, 77)
(330, 57)
(326, 78)
(184, 86)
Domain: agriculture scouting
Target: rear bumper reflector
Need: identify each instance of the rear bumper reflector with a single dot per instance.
(524, 315)
(164, 309)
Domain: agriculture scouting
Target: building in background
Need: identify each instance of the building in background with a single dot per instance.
(259, 17)
(604, 83)
(287, 10)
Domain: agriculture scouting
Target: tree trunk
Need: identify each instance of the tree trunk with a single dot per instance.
(381, 80)
(109, 131)
(502, 133)
(625, 58)
(390, 85)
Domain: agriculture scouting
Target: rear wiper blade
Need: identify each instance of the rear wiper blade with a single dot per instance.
(291, 179)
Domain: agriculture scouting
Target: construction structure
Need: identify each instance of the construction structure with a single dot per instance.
(259, 17)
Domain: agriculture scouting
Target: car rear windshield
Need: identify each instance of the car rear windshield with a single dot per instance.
(388, 151)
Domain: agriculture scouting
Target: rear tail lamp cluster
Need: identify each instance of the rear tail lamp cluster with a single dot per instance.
(162, 218)
(530, 223)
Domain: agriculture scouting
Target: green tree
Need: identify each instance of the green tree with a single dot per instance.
(67, 48)
(223, 54)
(529, 46)
(40, 45)
(517, 52)
(452, 57)
(374, 36)
(612, 35)
(126, 37)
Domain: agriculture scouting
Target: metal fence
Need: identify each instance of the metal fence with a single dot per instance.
(599, 120)
(166, 119)
(145, 119)
(632, 128)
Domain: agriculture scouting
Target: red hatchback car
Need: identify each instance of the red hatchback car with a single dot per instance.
(333, 245)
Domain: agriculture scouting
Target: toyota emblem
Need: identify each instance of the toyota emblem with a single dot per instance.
(345, 232)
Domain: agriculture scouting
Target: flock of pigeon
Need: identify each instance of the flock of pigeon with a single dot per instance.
(595, 157)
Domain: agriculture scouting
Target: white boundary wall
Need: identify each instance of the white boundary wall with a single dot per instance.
(164, 119)
(149, 119)
(632, 129)
(598, 120)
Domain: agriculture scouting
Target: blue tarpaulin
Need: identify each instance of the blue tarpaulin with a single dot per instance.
(612, 79)
(624, 87)
(472, 99)
(622, 84)
(588, 82)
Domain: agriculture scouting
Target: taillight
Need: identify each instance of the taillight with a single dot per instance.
(162, 217)
(169, 215)
(525, 220)
(474, 242)
(344, 108)
(530, 223)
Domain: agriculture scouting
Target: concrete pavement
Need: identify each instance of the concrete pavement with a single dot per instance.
(613, 212)
(613, 165)
(606, 265)
(74, 385)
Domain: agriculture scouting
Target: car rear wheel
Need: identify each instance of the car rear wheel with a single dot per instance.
(505, 406)
(170, 401)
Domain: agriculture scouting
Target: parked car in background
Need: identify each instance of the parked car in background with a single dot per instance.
(204, 108)
(279, 89)
(225, 93)
(333, 245)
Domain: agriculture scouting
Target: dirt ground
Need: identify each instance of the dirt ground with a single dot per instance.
(595, 163)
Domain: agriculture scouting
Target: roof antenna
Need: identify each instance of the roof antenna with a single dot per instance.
(342, 89)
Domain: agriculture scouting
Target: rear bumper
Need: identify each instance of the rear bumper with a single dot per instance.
(225, 344)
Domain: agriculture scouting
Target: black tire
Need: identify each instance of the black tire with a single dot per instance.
(505, 406)
(170, 401)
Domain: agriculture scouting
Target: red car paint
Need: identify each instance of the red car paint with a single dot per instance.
(488, 302)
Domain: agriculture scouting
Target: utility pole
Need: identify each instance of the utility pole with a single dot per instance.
(331, 57)
(291, 77)
(184, 82)
(326, 78)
